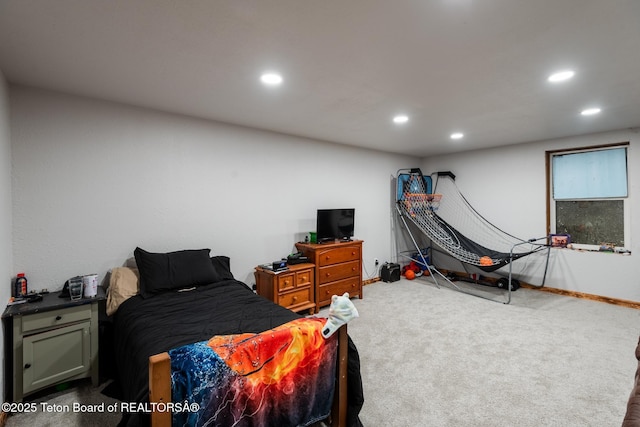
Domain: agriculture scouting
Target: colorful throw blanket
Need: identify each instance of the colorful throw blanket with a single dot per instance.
(281, 377)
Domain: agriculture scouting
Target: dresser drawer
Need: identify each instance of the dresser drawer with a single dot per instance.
(55, 318)
(292, 299)
(351, 285)
(339, 271)
(338, 255)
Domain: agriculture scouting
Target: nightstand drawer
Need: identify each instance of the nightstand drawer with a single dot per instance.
(293, 299)
(339, 271)
(337, 255)
(304, 277)
(53, 356)
(55, 318)
(286, 281)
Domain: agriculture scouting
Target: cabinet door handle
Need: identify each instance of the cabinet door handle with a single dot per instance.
(27, 366)
(58, 317)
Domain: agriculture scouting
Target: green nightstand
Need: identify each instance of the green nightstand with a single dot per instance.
(50, 342)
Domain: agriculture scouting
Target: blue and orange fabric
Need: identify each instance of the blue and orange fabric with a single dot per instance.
(281, 377)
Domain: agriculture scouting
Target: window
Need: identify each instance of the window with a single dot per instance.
(588, 195)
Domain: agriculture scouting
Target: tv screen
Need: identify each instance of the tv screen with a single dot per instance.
(335, 224)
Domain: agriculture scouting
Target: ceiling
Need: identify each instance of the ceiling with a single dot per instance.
(475, 66)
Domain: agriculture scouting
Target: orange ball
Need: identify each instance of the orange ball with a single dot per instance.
(410, 274)
(485, 260)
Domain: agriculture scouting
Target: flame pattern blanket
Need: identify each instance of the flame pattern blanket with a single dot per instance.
(281, 377)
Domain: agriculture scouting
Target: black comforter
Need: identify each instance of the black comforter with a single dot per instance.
(144, 327)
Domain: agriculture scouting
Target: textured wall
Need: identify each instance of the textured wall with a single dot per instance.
(6, 256)
(92, 180)
(507, 186)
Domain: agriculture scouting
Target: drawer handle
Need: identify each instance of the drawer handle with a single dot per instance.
(27, 366)
(328, 274)
(295, 299)
(58, 317)
(326, 292)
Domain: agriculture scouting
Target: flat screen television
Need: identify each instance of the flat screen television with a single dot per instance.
(335, 224)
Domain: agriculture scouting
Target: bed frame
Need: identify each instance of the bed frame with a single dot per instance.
(160, 385)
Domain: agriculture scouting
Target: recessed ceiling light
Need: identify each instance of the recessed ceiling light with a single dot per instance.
(401, 118)
(561, 76)
(271, 79)
(590, 111)
(457, 135)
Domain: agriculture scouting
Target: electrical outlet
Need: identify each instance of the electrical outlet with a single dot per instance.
(376, 262)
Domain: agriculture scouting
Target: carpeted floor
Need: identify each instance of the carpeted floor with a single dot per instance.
(443, 358)
(436, 357)
(57, 409)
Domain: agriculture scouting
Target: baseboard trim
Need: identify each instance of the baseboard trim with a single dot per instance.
(592, 297)
(370, 281)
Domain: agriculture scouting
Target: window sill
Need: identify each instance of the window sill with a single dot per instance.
(595, 248)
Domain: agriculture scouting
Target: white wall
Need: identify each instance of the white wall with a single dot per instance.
(93, 180)
(507, 186)
(6, 256)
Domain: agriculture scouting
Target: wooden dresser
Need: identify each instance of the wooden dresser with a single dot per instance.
(338, 269)
(292, 288)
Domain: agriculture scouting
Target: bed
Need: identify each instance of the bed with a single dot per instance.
(632, 415)
(162, 314)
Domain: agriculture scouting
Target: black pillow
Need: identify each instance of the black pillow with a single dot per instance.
(222, 268)
(161, 272)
